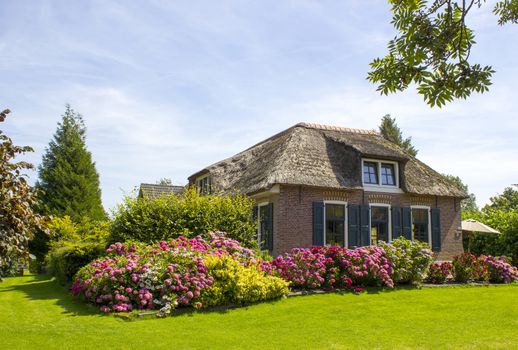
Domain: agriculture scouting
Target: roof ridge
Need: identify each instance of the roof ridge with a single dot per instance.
(162, 185)
(337, 128)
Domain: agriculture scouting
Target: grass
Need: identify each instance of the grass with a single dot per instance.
(36, 313)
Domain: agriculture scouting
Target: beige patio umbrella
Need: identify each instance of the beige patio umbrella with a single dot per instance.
(471, 225)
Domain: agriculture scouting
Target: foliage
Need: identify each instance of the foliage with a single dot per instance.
(468, 267)
(469, 204)
(235, 283)
(502, 214)
(432, 50)
(13, 268)
(411, 259)
(439, 272)
(168, 274)
(17, 200)
(169, 216)
(68, 178)
(66, 258)
(334, 267)
(62, 231)
(391, 131)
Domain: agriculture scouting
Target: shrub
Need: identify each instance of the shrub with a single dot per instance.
(334, 267)
(439, 272)
(66, 258)
(499, 270)
(468, 267)
(301, 267)
(411, 260)
(64, 229)
(235, 283)
(170, 216)
(191, 272)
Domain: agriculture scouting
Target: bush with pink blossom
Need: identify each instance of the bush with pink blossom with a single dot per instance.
(160, 276)
(439, 272)
(332, 267)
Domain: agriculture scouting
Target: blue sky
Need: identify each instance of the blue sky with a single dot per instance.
(168, 87)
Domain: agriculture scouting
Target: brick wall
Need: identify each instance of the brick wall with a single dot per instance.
(293, 215)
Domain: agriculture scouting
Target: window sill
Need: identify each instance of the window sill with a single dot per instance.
(386, 189)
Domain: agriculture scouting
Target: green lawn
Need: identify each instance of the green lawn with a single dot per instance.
(36, 313)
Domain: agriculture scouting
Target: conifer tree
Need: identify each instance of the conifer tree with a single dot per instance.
(68, 178)
(390, 131)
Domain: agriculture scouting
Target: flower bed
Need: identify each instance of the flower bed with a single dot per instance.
(170, 274)
(333, 267)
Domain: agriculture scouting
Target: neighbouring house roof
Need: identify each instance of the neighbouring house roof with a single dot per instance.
(323, 156)
(154, 190)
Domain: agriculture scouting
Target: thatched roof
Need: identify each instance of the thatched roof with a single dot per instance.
(154, 190)
(323, 156)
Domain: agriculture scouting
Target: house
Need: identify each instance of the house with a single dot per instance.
(156, 190)
(326, 185)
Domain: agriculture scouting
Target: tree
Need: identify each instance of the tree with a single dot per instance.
(468, 205)
(390, 131)
(165, 182)
(432, 50)
(17, 199)
(68, 178)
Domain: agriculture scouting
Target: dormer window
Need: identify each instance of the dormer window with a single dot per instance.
(380, 174)
(204, 184)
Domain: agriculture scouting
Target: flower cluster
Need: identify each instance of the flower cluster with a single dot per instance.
(439, 272)
(159, 276)
(411, 260)
(333, 267)
(500, 271)
(468, 267)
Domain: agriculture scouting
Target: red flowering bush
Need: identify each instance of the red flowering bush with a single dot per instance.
(164, 275)
(468, 267)
(439, 272)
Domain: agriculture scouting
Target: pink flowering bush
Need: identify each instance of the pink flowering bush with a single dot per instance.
(500, 271)
(301, 267)
(159, 276)
(333, 267)
(469, 267)
(439, 272)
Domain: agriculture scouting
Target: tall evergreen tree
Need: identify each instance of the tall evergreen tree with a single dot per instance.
(68, 178)
(390, 131)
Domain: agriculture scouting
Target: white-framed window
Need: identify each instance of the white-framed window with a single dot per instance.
(203, 184)
(421, 224)
(264, 226)
(335, 223)
(380, 223)
(380, 175)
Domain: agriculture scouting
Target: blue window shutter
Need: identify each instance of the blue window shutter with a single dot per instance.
(353, 227)
(397, 227)
(269, 224)
(407, 223)
(436, 230)
(318, 223)
(365, 222)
